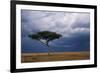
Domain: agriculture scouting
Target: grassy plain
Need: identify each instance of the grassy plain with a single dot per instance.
(55, 56)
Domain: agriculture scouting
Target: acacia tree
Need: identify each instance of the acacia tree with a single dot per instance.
(45, 37)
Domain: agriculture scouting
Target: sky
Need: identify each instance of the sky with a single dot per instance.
(73, 26)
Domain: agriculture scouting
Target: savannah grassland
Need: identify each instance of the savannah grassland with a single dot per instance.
(55, 56)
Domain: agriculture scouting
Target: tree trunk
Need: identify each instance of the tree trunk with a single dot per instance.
(48, 49)
(47, 43)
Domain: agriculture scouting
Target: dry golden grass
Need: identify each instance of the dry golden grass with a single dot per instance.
(55, 56)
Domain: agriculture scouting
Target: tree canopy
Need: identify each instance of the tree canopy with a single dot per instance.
(46, 36)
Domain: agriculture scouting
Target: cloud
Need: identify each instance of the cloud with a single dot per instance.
(65, 23)
(73, 26)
